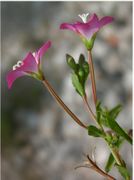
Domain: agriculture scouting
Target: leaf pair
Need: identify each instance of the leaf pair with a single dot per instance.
(107, 118)
(79, 74)
(103, 113)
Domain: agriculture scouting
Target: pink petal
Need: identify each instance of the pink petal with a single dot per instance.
(68, 26)
(42, 50)
(29, 65)
(86, 30)
(93, 20)
(12, 76)
(105, 20)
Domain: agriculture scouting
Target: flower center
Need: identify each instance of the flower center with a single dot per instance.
(84, 17)
(19, 64)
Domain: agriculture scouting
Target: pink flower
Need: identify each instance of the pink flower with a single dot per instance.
(88, 28)
(30, 65)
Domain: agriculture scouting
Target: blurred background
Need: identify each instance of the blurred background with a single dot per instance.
(39, 140)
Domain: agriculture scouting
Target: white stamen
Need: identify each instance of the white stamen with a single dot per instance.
(84, 17)
(14, 67)
(17, 65)
(33, 54)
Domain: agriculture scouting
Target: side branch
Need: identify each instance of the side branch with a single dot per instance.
(97, 169)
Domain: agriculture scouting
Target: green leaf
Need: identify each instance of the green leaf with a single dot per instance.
(124, 172)
(110, 163)
(104, 114)
(115, 111)
(77, 85)
(94, 131)
(71, 62)
(81, 75)
(84, 65)
(116, 128)
(81, 59)
(86, 69)
(98, 111)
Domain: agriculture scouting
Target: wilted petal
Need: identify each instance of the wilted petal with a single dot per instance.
(42, 50)
(105, 20)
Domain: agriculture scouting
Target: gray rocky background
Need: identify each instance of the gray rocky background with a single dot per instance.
(39, 140)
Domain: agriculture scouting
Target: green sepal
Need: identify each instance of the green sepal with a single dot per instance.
(38, 76)
(94, 131)
(76, 83)
(89, 43)
(123, 171)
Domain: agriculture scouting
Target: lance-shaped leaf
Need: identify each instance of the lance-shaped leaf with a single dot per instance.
(115, 111)
(94, 131)
(111, 161)
(123, 171)
(98, 111)
(80, 73)
(116, 128)
(71, 62)
(76, 83)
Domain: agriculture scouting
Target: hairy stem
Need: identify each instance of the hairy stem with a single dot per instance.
(92, 75)
(62, 104)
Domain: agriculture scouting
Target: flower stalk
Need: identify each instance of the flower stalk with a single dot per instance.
(92, 76)
(61, 103)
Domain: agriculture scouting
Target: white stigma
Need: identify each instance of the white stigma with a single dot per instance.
(84, 17)
(19, 64)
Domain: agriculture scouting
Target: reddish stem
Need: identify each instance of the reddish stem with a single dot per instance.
(92, 75)
(62, 104)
